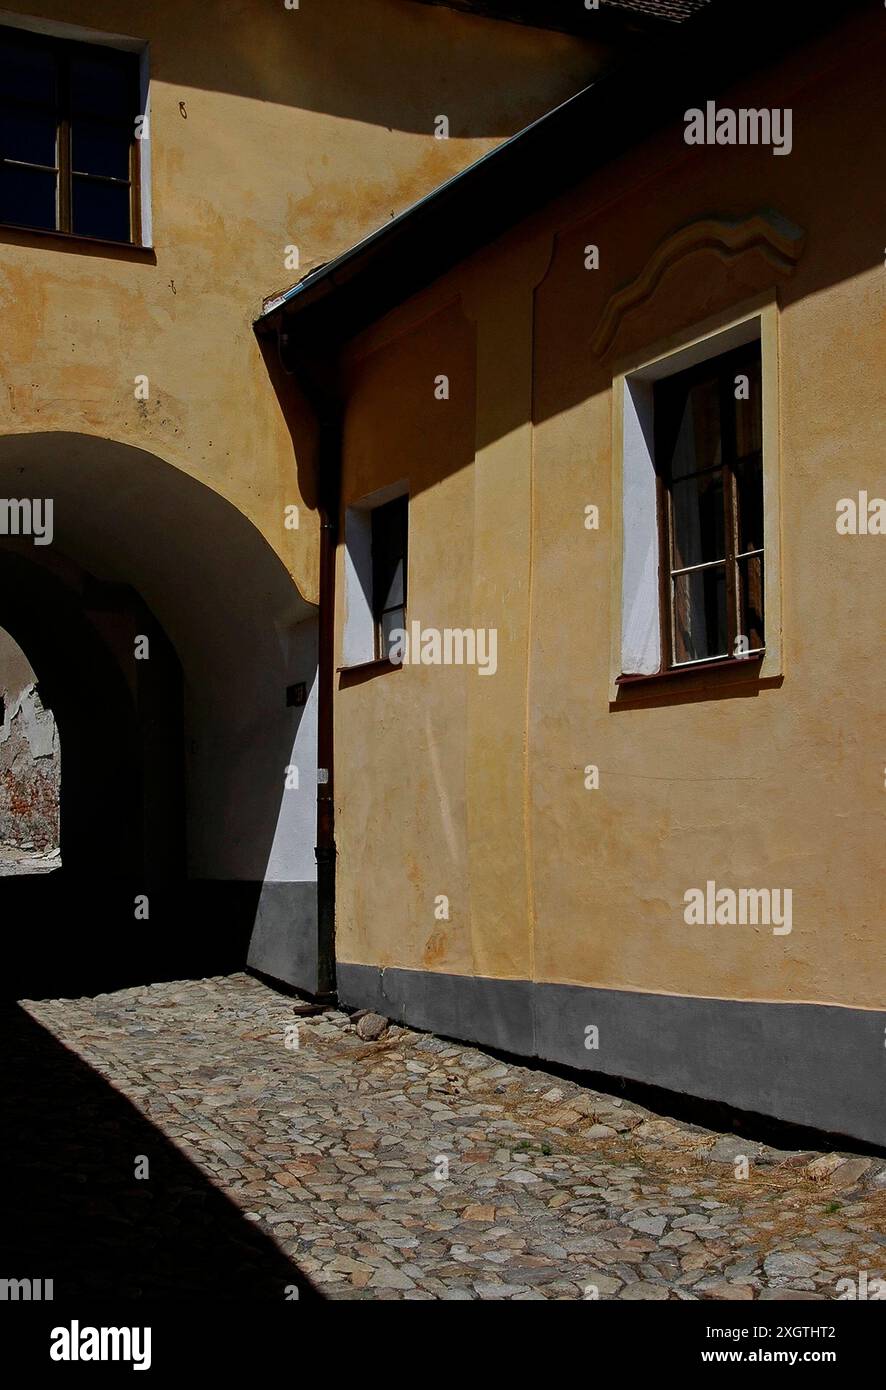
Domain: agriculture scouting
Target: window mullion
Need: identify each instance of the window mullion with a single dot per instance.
(728, 445)
(65, 190)
(665, 539)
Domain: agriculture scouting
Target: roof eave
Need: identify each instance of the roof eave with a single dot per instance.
(539, 163)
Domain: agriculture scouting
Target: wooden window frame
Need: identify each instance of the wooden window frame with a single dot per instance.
(725, 366)
(64, 50)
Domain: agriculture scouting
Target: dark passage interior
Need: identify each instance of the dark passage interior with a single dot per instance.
(121, 813)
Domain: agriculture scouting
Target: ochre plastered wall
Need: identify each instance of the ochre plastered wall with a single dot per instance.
(779, 788)
(269, 128)
(402, 833)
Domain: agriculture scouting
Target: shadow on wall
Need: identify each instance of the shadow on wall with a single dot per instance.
(178, 834)
(73, 1211)
(488, 77)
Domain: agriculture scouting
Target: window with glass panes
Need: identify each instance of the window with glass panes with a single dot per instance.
(709, 460)
(389, 524)
(68, 158)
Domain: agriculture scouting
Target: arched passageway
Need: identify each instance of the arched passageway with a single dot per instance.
(30, 768)
(164, 632)
(121, 804)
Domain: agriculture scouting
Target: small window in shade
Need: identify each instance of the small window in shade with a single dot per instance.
(389, 570)
(67, 137)
(708, 455)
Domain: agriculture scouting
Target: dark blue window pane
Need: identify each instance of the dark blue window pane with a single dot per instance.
(106, 85)
(100, 149)
(27, 73)
(27, 134)
(27, 197)
(101, 210)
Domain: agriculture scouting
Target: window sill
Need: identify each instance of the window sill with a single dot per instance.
(13, 233)
(710, 680)
(726, 663)
(365, 670)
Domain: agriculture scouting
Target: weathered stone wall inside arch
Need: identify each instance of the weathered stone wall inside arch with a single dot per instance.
(29, 765)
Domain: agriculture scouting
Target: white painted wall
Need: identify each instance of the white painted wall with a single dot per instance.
(292, 851)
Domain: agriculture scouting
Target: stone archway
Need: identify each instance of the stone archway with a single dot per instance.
(183, 851)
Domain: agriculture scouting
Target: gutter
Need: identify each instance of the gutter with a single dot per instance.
(325, 849)
(318, 382)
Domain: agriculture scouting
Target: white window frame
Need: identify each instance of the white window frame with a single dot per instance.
(636, 592)
(358, 635)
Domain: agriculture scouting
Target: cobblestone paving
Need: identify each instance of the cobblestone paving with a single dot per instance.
(338, 1149)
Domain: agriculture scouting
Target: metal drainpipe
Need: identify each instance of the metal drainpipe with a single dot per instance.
(327, 408)
(329, 467)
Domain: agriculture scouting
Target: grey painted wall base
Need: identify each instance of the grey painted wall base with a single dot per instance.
(807, 1064)
(284, 938)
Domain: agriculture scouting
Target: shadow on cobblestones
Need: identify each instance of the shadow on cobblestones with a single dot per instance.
(407, 1168)
(196, 928)
(73, 1211)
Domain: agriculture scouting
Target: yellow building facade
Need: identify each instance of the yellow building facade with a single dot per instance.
(260, 141)
(491, 524)
(583, 848)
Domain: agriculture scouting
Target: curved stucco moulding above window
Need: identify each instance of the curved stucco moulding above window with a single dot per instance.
(779, 239)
